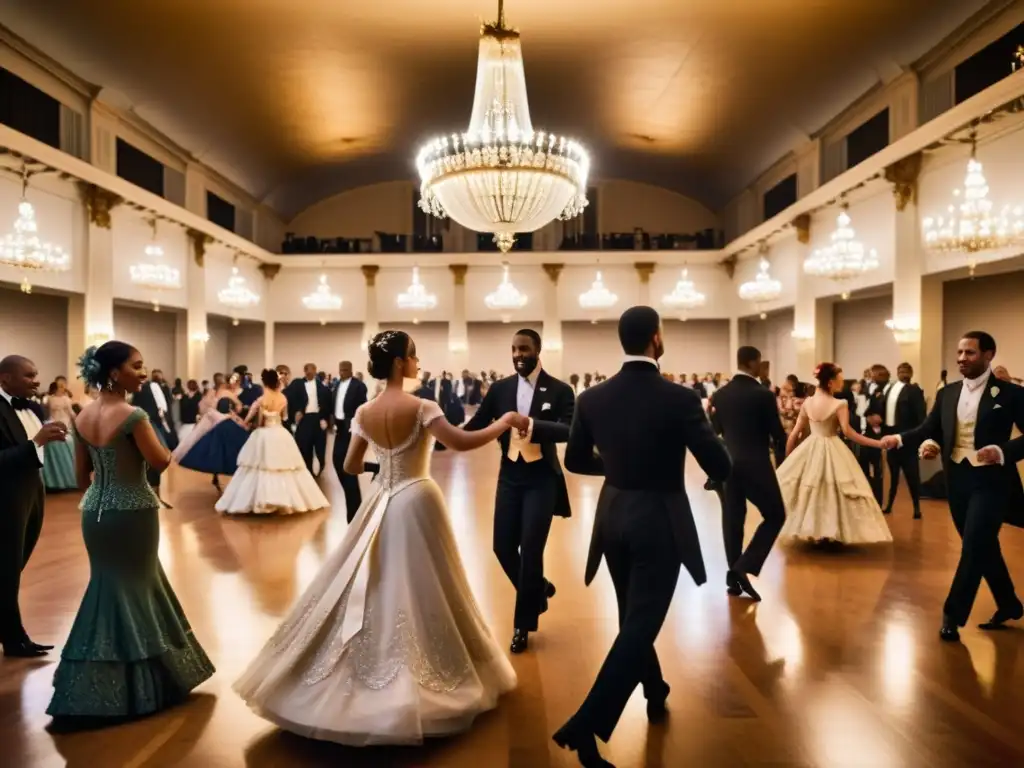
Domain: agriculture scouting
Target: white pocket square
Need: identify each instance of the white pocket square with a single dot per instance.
(997, 405)
(545, 406)
(543, 389)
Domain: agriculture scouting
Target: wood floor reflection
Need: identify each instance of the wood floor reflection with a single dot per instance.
(839, 666)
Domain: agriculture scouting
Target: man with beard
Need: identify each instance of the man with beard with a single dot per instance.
(531, 485)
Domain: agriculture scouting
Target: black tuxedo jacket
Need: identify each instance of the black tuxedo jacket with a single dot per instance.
(144, 399)
(298, 400)
(1000, 409)
(355, 396)
(19, 461)
(746, 415)
(911, 409)
(551, 410)
(640, 450)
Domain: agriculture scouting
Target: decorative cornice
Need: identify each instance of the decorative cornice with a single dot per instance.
(199, 242)
(730, 265)
(644, 269)
(269, 270)
(802, 225)
(903, 175)
(553, 271)
(370, 273)
(459, 272)
(99, 202)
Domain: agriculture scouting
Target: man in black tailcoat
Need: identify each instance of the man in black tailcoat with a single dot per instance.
(905, 409)
(155, 399)
(348, 395)
(309, 406)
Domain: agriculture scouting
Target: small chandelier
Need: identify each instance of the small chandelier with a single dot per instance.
(971, 226)
(845, 258)
(22, 249)
(506, 298)
(685, 296)
(598, 297)
(152, 273)
(501, 175)
(322, 299)
(237, 295)
(415, 297)
(762, 289)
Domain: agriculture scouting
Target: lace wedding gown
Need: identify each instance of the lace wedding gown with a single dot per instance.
(387, 645)
(826, 494)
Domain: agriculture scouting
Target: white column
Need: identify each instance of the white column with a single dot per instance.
(371, 325)
(195, 190)
(195, 281)
(551, 332)
(99, 266)
(269, 360)
(805, 325)
(734, 339)
(644, 270)
(458, 329)
(76, 340)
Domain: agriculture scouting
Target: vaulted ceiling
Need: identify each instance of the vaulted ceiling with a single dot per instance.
(295, 100)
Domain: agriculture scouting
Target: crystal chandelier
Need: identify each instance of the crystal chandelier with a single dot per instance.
(415, 297)
(598, 297)
(237, 295)
(22, 249)
(845, 257)
(971, 226)
(506, 298)
(322, 299)
(685, 296)
(152, 273)
(762, 289)
(501, 175)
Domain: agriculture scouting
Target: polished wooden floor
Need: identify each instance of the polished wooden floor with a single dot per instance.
(839, 666)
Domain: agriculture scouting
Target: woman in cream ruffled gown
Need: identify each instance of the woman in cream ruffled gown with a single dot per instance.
(387, 645)
(827, 496)
(271, 475)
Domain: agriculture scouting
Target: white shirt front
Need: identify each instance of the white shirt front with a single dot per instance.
(312, 404)
(641, 359)
(158, 397)
(339, 408)
(525, 390)
(29, 421)
(892, 394)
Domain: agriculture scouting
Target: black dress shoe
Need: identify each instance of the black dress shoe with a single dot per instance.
(40, 646)
(917, 514)
(584, 745)
(732, 586)
(1001, 616)
(520, 641)
(24, 650)
(742, 582)
(657, 711)
(949, 633)
(887, 511)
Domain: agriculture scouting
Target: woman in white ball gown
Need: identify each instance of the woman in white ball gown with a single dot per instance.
(827, 496)
(387, 645)
(271, 476)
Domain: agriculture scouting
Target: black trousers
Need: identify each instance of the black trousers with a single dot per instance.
(21, 521)
(169, 438)
(349, 483)
(871, 462)
(754, 481)
(977, 497)
(909, 464)
(639, 549)
(523, 508)
(308, 436)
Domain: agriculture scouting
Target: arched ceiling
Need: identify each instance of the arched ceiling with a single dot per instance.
(296, 100)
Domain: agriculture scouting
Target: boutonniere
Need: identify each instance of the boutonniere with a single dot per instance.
(545, 406)
(994, 391)
(543, 389)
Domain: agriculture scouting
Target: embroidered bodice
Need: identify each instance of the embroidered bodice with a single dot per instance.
(119, 472)
(826, 427)
(271, 418)
(411, 459)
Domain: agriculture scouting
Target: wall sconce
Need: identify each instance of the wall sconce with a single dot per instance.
(904, 331)
(458, 347)
(201, 338)
(96, 338)
(802, 334)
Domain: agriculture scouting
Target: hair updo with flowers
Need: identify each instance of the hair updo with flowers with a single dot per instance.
(384, 349)
(96, 363)
(826, 373)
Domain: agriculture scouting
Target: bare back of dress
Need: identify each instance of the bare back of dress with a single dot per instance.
(826, 424)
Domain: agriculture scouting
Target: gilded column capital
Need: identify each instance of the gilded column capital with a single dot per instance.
(903, 175)
(99, 203)
(269, 270)
(199, 242)
(553, 271)
(730, 265)
(644, 269)
(802, 225)
(459, 272)
(370, 273)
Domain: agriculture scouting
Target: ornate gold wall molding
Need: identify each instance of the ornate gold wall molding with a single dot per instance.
(269, 270)
(644, 269)
(802, 225)
(459, 272)
(99, 203)
(370, 273)
(553, 271)
(903, 175)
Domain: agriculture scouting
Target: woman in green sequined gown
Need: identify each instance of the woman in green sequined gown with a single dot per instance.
(131, 651)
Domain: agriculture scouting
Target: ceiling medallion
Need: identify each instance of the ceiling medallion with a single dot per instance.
(598, 297)
(506, 298)
(971, 226)
(684, 297)
(22, 249)
(762, 289)
(501, 175)
(237, 295)
(845, 257)
(322, 299)
(415, 297)
(152, 273)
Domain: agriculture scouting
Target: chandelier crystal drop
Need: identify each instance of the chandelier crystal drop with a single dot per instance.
(685, 296)
(506, 298)
(501, 175)
(762, 289)
(237, 295)
(971, 224)
(598, 297)
(415, 297)
(845, 258)
(21, 248)
(322, 299)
